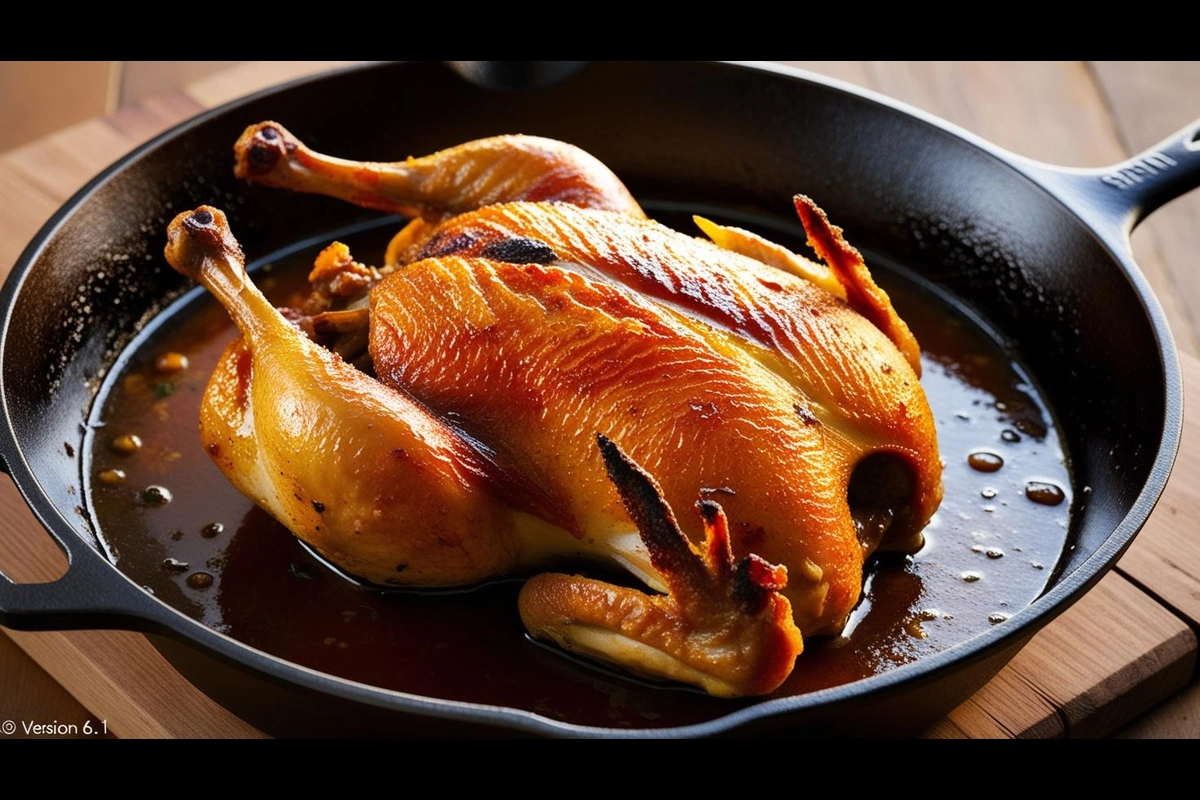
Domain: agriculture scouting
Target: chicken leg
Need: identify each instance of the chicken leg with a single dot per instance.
(343, 461)
(471, 175)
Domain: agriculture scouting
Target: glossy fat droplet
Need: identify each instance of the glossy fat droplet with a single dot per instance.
(1046, 494)
(112, 476)
(985, 461)
(126, 445)
(171, 362)
(199, 580)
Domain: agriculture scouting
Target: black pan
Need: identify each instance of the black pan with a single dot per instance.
(1015, 240)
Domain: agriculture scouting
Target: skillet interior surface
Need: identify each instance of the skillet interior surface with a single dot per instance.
(721, 136)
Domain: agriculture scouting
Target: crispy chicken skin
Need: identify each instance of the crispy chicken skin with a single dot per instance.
(558, 381)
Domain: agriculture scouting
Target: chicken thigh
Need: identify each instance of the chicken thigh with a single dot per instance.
(555, 377)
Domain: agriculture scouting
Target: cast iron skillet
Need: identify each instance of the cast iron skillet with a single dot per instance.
(1041, 252)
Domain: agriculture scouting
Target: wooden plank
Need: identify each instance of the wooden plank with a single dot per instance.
(29, 554)
(28, 695)
(1108, 657)
(39, 97)
(1177, 718)
(63, 162)
(1036, 109)
(37, 178)
(119, 677)
(25, 208)
(253, 76)
(1164, 559)
(143, 80)
(142, 120)
(1007, 707)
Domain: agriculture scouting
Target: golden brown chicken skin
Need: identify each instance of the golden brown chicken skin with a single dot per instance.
(559, 381)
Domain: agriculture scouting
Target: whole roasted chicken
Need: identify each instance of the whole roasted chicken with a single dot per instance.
(539, 377)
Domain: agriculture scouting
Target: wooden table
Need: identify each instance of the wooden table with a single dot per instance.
(1124, 648)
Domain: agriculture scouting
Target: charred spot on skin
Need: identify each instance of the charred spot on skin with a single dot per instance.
(399, 454)
(805, 414)
(519, 251)
(647, 508)
(753, 581)
(318, 506)
(401, 567)
(444, 244)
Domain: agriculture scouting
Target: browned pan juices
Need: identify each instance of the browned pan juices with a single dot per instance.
(212, 554)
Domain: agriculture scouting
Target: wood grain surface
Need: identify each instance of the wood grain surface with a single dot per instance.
(1125, 647)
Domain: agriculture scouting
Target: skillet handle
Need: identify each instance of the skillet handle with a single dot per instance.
(90, 595)
(1123, 195)
(82, 599)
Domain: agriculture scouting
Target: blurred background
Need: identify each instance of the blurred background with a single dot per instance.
(38, 97)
